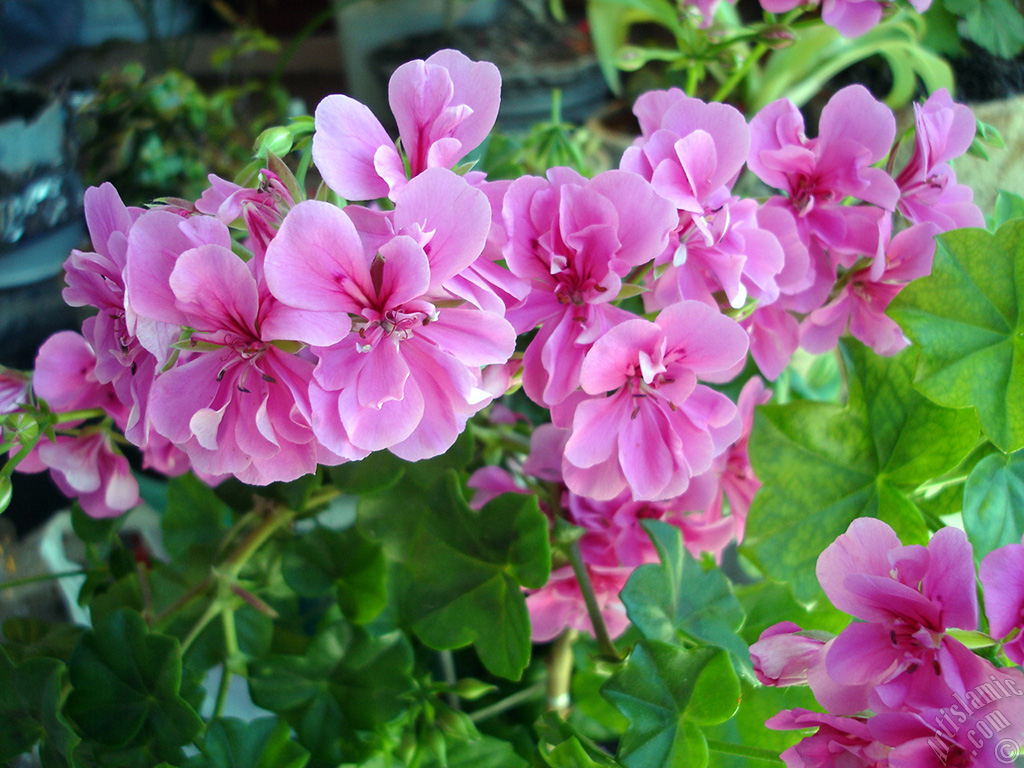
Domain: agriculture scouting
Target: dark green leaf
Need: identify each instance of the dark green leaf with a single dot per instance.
(262, 743)
(342, 694)
(679, 596)
(30, 711)
(994, 503)
(965, 317)
(26, 637)
(345, 562)
(125, 686)
(93, 530)
(195, 517)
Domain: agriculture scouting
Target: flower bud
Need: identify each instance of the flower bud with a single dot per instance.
(783, 653)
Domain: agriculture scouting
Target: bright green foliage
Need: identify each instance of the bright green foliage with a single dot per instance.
(340, 695)
(966, 319)
(126, 686)
(678, 598)
(30, 711)
(994, 503)
(666, 692)
(823, 465)
(262, 743)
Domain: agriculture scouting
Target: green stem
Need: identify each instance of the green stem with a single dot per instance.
(604, 641)
(209, 615)
(509, 702)
(757, 753)
(276, 519)
(560, 665)
(740, 72)
(692, 79)
(222, 691)
(80, 415)
(15, 583)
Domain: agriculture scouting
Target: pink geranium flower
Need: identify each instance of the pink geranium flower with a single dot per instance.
(444, 106)
(574, 240)
(658, 427)
(236, 403)
(867, 293)
(839, 741)
(928, 187)
(372, 386)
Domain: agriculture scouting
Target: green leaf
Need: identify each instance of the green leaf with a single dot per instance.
(994, 503)
(93, 530)
(377, 472)
(262, 743)
(655, 690)
(341, 694)
(481, 752)
(125, 687)
(1009, 205)
(824, 465)
(345, 562)
(195, 517)
(679, 596)
(466, 568)
(30, 697)
(996, 25)
(25, 637)
(966, 319)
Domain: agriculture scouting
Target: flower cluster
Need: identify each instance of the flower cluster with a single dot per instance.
(899, 688)
(257, 334)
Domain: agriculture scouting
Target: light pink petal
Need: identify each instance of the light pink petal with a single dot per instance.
(457, 216)
(346, 139)
(374, 429)
(711, 343)
(854, 114)
(316, 261)
(383, 376)
(595, 425)
(614, 356)
(644, 217)
(472, 336)
(476, 84)
(645, 452)
(321, 329)
(215, 290)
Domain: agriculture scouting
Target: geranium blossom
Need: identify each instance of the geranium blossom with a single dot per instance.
(444, 106)
(658, 427)
(574, 240)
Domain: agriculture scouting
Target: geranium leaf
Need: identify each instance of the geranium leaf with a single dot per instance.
(678, 596)
(345, 562)
(126, 683)
(30, 711)
(341, 694)
(195, 517)
(654, 690)
(262, 743)
(994, 503)
(824, 465)
(965, 317)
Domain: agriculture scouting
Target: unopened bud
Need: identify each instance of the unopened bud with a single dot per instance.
(277, 140)
(471, 689)
(777, 36)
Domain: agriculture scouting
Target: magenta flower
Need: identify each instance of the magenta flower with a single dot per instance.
(574, 240)
(659, 427)
(692, 152)
(855, 132)
(851, 18)
(444, 106)
(1002, 578)
(372, 386)
(929, 191)
(862, 302)
(839, 742)
(907, 596)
